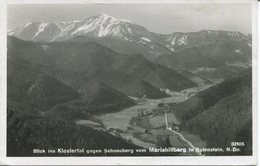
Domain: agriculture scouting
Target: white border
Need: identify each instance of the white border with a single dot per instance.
(175, 160)
(3, 65)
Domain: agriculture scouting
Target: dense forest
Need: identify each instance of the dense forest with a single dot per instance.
(207, 98)
(227, 121)
(28, 131)
(222, 114)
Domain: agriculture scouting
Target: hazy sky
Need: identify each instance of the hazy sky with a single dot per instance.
(160, 18)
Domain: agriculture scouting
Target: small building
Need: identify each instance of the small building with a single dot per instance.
(175, 127)
(115, 130)
(147, 131)
(151, 115)
(130, 128)
(141, 112)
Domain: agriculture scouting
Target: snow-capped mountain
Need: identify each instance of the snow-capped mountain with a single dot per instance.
(122, 35)
(101, 25)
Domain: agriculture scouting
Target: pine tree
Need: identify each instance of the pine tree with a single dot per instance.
(168, 142)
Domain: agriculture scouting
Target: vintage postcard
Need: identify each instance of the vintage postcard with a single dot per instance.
(123, 82)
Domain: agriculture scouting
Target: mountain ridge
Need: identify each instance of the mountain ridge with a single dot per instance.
(122, 35)
(68, 62)
(221, 59)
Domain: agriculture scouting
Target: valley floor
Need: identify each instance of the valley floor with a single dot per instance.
(144, 130)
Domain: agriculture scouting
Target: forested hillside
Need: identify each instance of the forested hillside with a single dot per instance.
(228, 121)
(207, 98)
(28, 131)
(221, 114)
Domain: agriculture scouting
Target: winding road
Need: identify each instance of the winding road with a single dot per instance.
(122, 118)
(185, 140)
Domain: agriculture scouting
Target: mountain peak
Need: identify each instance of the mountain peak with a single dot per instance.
(105, 16)
(101, 25)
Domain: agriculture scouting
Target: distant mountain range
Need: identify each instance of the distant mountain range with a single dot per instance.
(192, 51)
(221, 59)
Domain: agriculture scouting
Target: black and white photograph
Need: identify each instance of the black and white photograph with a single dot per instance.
(129, 80)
